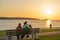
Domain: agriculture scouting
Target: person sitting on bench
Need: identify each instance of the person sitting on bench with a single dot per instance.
(18, 30)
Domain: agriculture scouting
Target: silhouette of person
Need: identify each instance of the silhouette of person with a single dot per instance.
(50, 26)
(25, 30)
(18, 30)
(30, 27)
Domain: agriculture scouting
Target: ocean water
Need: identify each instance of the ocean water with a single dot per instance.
(12, 24)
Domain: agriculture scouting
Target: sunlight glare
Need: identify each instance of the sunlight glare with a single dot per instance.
(48, 12)
(48, 23)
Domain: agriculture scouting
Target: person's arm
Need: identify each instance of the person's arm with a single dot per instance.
(18, 28)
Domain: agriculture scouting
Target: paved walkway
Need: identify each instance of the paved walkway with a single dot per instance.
(48, 33)
(38, 34)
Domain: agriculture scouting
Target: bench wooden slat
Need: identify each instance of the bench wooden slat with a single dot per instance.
(13, 32)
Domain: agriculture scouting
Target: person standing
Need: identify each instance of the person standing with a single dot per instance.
(50, 26)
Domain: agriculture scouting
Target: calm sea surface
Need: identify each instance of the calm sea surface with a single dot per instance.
(12, 24)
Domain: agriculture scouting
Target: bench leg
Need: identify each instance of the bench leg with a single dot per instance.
(32, 35)
(9, 37)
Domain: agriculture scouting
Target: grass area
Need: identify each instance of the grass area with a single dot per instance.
(50, 37)
(2, 33)
(49, 30)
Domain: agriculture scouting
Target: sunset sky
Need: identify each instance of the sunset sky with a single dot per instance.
(41, 9)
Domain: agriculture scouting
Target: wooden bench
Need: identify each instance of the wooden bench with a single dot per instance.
(11, 33)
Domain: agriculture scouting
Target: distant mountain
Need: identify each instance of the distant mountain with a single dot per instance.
(18, 18)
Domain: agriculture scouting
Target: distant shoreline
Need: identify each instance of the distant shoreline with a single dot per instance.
(18, 18)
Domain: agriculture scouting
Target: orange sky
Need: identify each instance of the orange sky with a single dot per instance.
(30, 8)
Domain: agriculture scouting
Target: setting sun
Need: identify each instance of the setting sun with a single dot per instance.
(48, 12)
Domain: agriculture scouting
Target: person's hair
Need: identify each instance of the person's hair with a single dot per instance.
(25, 22)
(30, 26)
(19, 23)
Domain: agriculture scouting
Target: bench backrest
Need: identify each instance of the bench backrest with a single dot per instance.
(13, 32)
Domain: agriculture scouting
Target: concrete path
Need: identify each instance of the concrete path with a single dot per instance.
(38, 34)
(48, 33)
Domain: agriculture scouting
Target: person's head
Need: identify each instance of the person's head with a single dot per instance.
(19, 24)
(25, 22)
(30, 26)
